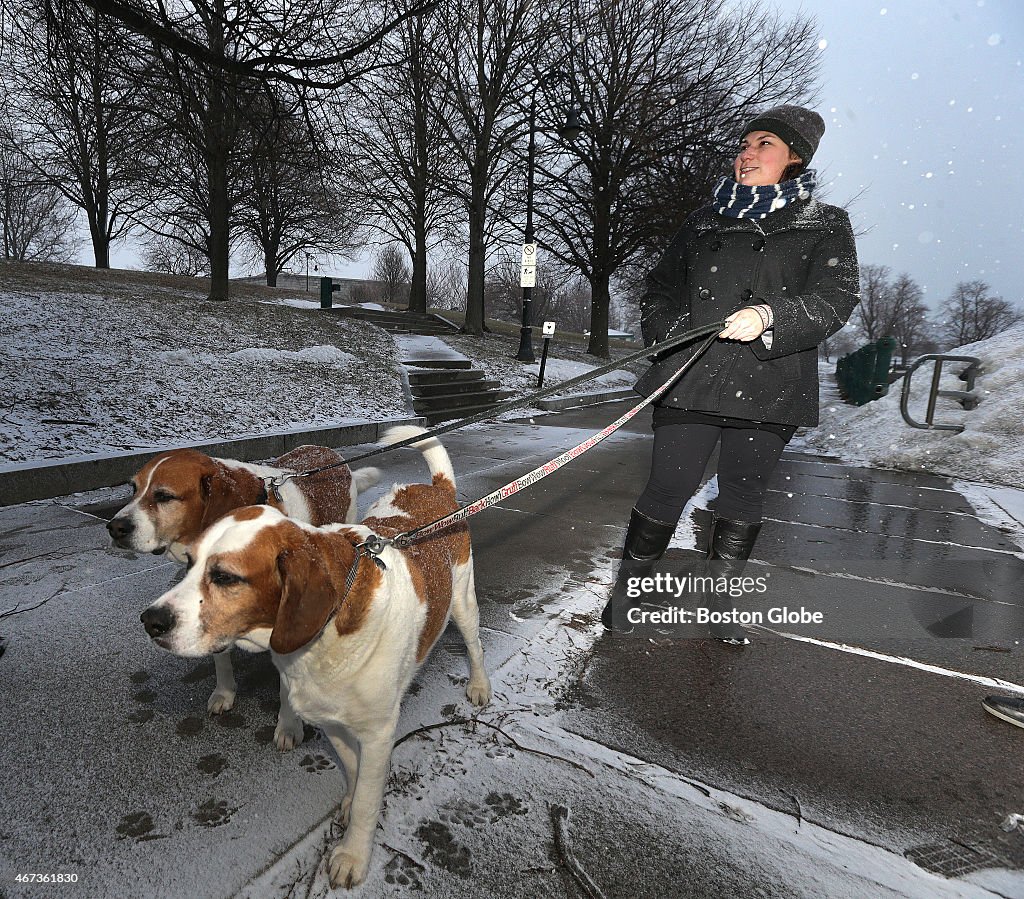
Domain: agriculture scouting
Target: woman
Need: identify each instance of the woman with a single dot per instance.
(781, 269)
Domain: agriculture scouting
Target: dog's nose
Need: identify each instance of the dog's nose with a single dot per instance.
(158, 620)
(120, 528)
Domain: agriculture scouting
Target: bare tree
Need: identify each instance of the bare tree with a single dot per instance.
(176, 257)
(391, 271)
(214, 52)
(398, 149)
(294, 197)
(319, 45)
(910, 320)
(74, 93)
(489, 46)
(446, 285)
(663, 86)
(839, 344)
(973, 313)
(37, 222)
(197, 116)
(875, 315)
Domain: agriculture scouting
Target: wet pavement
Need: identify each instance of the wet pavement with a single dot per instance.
(851, 759)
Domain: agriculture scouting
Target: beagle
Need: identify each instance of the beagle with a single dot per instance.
(179, 493)
(347, 630)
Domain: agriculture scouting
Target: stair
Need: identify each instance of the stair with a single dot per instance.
(397, 322)
(446, 390)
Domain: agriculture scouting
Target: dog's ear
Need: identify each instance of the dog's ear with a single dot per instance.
(217, 495)
(308, 597)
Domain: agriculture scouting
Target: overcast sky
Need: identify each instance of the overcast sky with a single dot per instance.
(924, 106)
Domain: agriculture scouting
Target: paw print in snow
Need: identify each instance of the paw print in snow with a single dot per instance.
(504, 804)
(314, 764)
(213, 813)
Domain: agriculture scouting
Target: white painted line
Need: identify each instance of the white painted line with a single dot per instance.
(882, 581)
(867, 502)
(995, 682)
(836, 527)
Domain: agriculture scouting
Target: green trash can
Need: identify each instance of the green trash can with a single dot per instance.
(863, 375)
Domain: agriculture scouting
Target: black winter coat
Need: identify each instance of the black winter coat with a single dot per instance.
(800, 260)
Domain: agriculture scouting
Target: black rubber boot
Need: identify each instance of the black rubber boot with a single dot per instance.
(646, 542)
(730, 546)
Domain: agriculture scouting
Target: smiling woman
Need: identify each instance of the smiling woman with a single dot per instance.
(763, 159)
(781, 269)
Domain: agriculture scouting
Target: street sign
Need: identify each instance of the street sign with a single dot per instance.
(549, 329)
(528, 276)
(529, 254)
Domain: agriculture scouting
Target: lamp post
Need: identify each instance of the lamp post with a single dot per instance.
(569, 131)
(307, 272)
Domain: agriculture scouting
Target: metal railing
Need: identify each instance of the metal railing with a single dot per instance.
(966, 399)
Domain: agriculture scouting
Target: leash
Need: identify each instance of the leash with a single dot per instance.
(273, 484)
(376, 544)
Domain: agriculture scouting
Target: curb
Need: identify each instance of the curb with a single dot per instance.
(579, 400)
(22, 482)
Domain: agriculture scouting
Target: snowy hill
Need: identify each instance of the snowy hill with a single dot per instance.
(991, 446)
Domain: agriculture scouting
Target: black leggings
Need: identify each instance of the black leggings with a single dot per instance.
(681, 452)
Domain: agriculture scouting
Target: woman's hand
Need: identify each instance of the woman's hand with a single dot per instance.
(744, 325)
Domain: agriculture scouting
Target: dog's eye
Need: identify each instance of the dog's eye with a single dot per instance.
(221, 578)
(162, 496)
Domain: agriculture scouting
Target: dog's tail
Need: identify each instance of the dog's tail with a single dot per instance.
(365, 478)
(435, 454)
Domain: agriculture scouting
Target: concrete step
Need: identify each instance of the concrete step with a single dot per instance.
(444, 376)
(579, 400)
(450, 387)
(436, 416)
(426, 405)
(449, 364)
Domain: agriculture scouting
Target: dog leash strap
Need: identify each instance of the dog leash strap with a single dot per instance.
(513, 487)
(655, 349)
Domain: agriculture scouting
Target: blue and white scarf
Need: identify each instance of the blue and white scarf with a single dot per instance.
(755, 202)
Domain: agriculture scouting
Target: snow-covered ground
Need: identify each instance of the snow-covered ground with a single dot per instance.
(93, 362)
(990, 449)
(87, 373)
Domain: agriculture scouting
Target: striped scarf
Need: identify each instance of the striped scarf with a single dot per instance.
(743, 201)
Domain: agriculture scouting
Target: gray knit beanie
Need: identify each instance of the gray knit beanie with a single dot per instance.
(800, 128)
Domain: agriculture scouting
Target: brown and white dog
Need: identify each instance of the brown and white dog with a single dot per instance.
(178, 494)
(346, 651)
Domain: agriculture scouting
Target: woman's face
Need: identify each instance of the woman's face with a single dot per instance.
(762, 159)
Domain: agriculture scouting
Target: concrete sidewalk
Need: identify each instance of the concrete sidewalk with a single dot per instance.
(687, 768)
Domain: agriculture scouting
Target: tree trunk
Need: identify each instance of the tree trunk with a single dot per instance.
(270, 263)
(101, 250)
(418, 285)
(475, 280)
(600, 300)
(219, 228)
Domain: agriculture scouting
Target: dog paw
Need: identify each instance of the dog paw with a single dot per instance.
(288, 734)
(348, 867)
(479, 693)
(220, 701)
